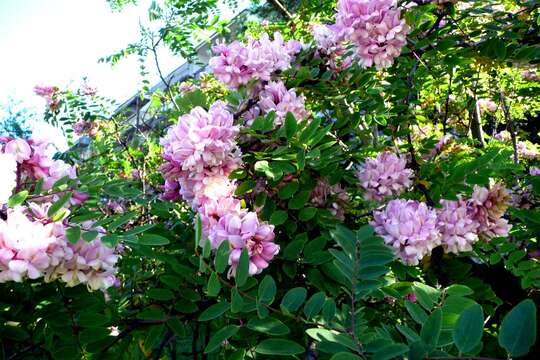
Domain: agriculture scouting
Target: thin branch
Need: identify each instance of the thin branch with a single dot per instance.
(510, 124)
(279, 6)
(446, 105)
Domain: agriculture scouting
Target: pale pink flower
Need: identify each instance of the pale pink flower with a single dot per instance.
(375, 28)
(528, 150)
(200, 187)
(213, 210)
(275, 97)
(19, 148)
(487, 105)
(329, 196)
(246, 232)
(487, 206)
(409, 227)
(458, 229)
(535, 171)
(25, 246)
(384, 176)
(530, 75)
(202, 139)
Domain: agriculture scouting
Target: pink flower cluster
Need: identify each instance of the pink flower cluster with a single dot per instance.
(324, 193)
(526, 150)
(49, 94)
(414, 230)
(487, 105)
(535, 171)
(201, 152)
(236, 64)
(375, 28)
(33, 246)
(408, 226)
(330, 46)
(530, 75)
(384, 176)
(275, 97)
(34, 162)
(82, 127)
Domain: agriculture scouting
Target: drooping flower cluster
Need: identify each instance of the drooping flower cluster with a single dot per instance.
(201, 152)
(413, 229)
(323, 193)
(525, 150)
(8, 180)
(246, 232)
(275, 97)
(410, 227)
(49, 94)
(34, 162)
(82, 127)
(384, 176)
(33, 246)
(375, 28)
(530, 75)
(330, 46)
(487, 105)
(236, 64)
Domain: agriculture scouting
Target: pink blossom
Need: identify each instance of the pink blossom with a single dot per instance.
(502, 136)
(237, 64)
(535, 171)
(409, 227)
(275, 97)
(487, 206)
(487, 105)
(530, 75)
(375, 28)
(8, 179)
(199, 188)
(384, 176)
(410, 297)
(25, 246)
(45, 91)
(332, 196)
(202, 139)
(246, 232)
(528, 150)
(57, 171)
(19, 148)
(213, 210)
(89, 90)
(457, 227)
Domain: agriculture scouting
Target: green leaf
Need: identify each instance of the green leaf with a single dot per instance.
(267, 290)
(290, 125)
(314, 305)
(299, 200)
(219, 337)
(214, 286)
(345, 356)
(431, 330)
(278, 347)
(214, 311)
(242, 269)
(307, 213)
(459, 290)
(73, 234)
(245, 187)
(416, 312)
(222, 256)
(153, 240)
(237, 302)
(390, 351)
(198, 231)
(331, 336)
(278, 217)
(89, 235)
(18, 198)
(518, 329)
(288, 190)
(468, 330)
(427, 296)
(269, 326)
(91, 319)
(160, 294)
(293, 299)
(58, 204)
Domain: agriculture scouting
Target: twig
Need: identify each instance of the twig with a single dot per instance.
(169, 335)
(510, 123)
(446, 105)
(279, 6)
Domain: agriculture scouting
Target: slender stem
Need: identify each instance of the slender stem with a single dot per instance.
(279, 6)
(446, 105)
(510, 124)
